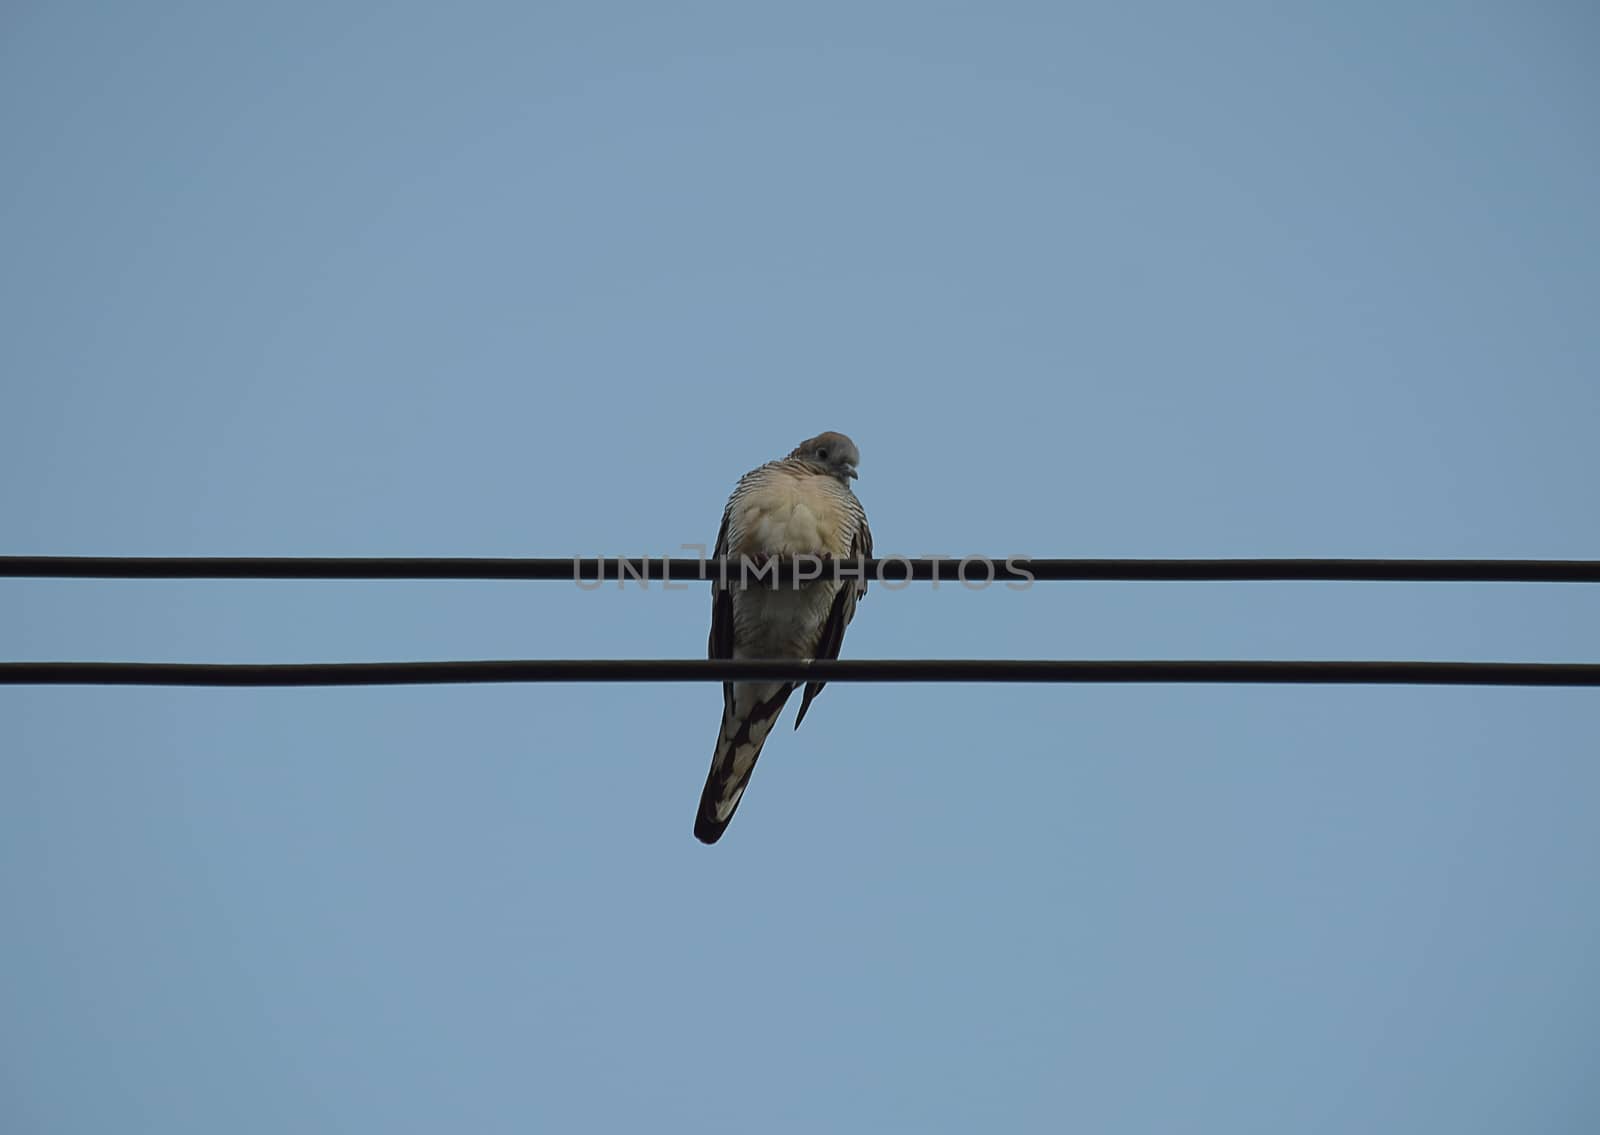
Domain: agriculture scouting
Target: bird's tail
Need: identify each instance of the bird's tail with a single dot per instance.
(747, 717)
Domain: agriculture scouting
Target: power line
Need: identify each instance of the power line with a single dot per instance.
(832, 670)
(889, 569)
(1015, 570)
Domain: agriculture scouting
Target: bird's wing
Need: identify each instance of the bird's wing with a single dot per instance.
(839, 616)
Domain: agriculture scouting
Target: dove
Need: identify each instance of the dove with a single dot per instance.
(800, 504)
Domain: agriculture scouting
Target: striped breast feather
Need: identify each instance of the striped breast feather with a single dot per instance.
(787, 508)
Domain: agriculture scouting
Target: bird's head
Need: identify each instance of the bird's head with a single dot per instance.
(831, 453)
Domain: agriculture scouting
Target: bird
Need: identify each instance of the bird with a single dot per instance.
(801, 504)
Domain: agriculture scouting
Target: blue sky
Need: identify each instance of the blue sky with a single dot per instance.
(545, 279)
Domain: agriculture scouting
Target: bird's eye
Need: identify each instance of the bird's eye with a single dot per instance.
(822, 454)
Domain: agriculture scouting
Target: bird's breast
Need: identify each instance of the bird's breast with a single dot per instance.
(784, 514)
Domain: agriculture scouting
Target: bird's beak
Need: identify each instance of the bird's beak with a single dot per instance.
(851, 470)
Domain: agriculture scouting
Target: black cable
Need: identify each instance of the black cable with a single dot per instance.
(1015, 571)
(832, 670)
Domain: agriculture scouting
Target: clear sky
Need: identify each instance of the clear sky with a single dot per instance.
(545, 279)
